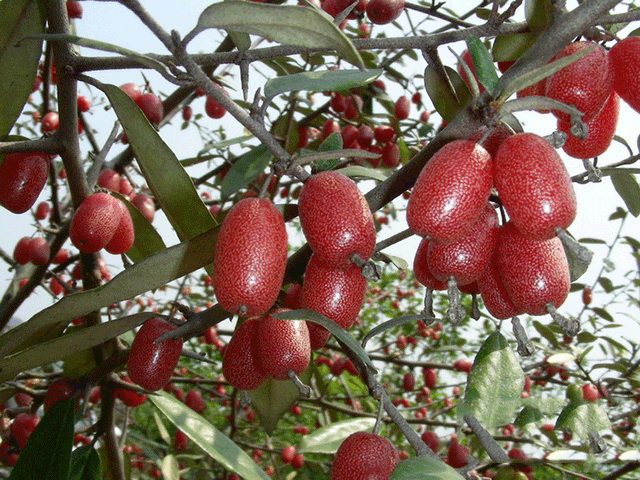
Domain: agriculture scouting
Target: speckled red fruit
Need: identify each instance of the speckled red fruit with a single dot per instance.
(109, 179)
(151, 106)
(626, 68)
(463, 365)
(534, 272)
(132, 90)
(498, 134)
(401, 108)
(421, 268)
(21, 252)
(408, 382)
(250, 257)
(288, 453)
(601, 130)
(467, 258)
(50, 122)
(193, 400)
(145, 205)
(95, 222)
(335, 293)
(22, 426)
(151, 364)
(213, 109)
(336, 219)
(42, 210)
(457, 455)
(432, 440)
(39, 251)
(494, 296)
(22, 178)
(59, 390)
(74, 9)
(283, 345)
(590, 392)
(240, 365)
(586, 83)
(364, 456)
(534, 186)
(430, 377)
(129, 397)
(450, 192)
(124, 235)
(382, 12)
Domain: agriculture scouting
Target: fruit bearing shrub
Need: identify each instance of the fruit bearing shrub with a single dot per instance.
(258, 308)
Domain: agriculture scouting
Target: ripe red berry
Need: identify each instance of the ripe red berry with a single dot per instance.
(586, 83)
(95, 222)
(42, 210)
(22, 178)
(193, 400)
(298, 461)
(145, 205)
(450, 192)
(83, 103)
(391, 155)
(250, 257)
(74, 9)
(336, 219)
(59, 390)
(50, 122)
(364, 136)
(364, 456)
(383, 133)
(624, 59)
(109, 179)
(21, 254)
(382, 12)
(180, 440)
(151, 364)
(421, 267)
(151, 106)
(430, 377)
(408, 382)
(466, 58)
(590, 392)
(213, 109)
(187, 111)
(534, 186)
(329, 127)
(240, 363)
(39, 251)
(132, 90)
(457, 455)
(288, 453)
(463, 365)
(587, 296)
(401, 108)
(124, 235)
(335, 293)
(129, 397)
(22, 426)
(494, 296)
(432, 440)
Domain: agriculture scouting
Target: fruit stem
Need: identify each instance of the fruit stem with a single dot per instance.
(593, 174)
(304, 390)
(487, 441)
(570, 326)
(556, 139)
(525, 346)
(455, 312)
(368, 269)
(578, 129)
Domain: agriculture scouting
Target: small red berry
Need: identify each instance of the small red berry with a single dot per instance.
(22, 178)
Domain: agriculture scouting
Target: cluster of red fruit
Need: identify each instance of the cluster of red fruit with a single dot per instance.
(379, 12)
(519, 267)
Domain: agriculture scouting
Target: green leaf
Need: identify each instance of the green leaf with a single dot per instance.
(447, 104)
(538, 13)
(320, 81)
(170, 467)
(508, 48)
(216, 444)
(147, 240)
(47, 455)
(356, 171)
(548, 406)
(424, 468)
(18, 61)
(273, 399)
(592, 240)
(582, 418)
(330, 144)
(287, 24)
(483, 63)
(334, 329)
(627, 187)
(171, 185)
(391, 324)
(606, 284)
(245, 170)
(85, 464)
(528, 416)
(327, 439)
(546, 333)
(578, 257)
(602, 313)
(494, 384)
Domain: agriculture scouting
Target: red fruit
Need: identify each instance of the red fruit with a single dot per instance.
(430, 377)
(193, 400)
(95, 222)
(364, 456)
(421, 269)
(450, 192)
(303, 136)
(129, 397)
(187, 111)
(39, 251)
(364, 136)
(408, 382)
(534, 186)
(213, 109)
(348, 134)
(401, 108)
(338, 103)
(95, 395)
(624, 59)
(250, 257)
(298, 461)
(382, 12)
(494, 296)
(463, 365)
(534, 272)
(21, 254)
(124, 235)
(74, 9)
(126, 189)
(145, 205)
(7, 459)
(590, 392)
(383, 133)
(601, 130)
(335, 293)
(587, 296)
(151, 364)
(391, 155)
(293, 298)
(586, 83)
(180, 440)
(42, 210)
(336, 219)
(466, 259)
(22, 178)
(151, 106)
(22, 427)
(329, 127)
(457, 455)
(466, 58)
(288, 453)
(109, 179)
(240, 364)
(498, 134)
(432, 440)
(132, 90)
(59, 390)
(282, 345)
(60, 257)
(50, 122)
(83, 103)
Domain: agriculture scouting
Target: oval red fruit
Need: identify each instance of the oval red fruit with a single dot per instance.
(39, 251)
(124, 235)
(624, 59)
(22, 178)
(151, 106)
(240, 364)
(95, 222)
(364, 455)
(21, 252)
(382, 12)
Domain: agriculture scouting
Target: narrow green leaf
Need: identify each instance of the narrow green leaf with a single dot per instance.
(391, 324)
(538, 13)
(18, 61)
(548, 405)
(443, 100)
(215, 443)
(612, 366)
(245, 170)
(424, 468)
(583, 417)
(627, 187)
(330, 144)
(287, 24)
(602, 313)
(147, 239)
(327, 439)
(527, 416)
(164, 434)
(320, 81)
(578, 257)
(47, 455)
(400, 263)
(494, 383)
(592, 240)
(508, 48)
(273, 399)
(483, 63)
(606, 284)
(546, 333)
(171, 185)
(170, 467)
(241, 40)
(85, 464)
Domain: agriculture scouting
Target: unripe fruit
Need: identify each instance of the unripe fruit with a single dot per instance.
(240, 364)
(151, 106)
(95, 222)
(624, 58)
(335, 293)
(336, 219)
(193, 400)
(534, 186)
(382, 12)
(364, 456)
(22, 427)
(21, 254)
(22, 178)
(401, 108)
(250, 257)
(151, 364)
(534, 272)
(124, 235)
(601, 130)
(586, 83)
(39, 251)
(450, 192)
(283, 345)
(129, 397)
